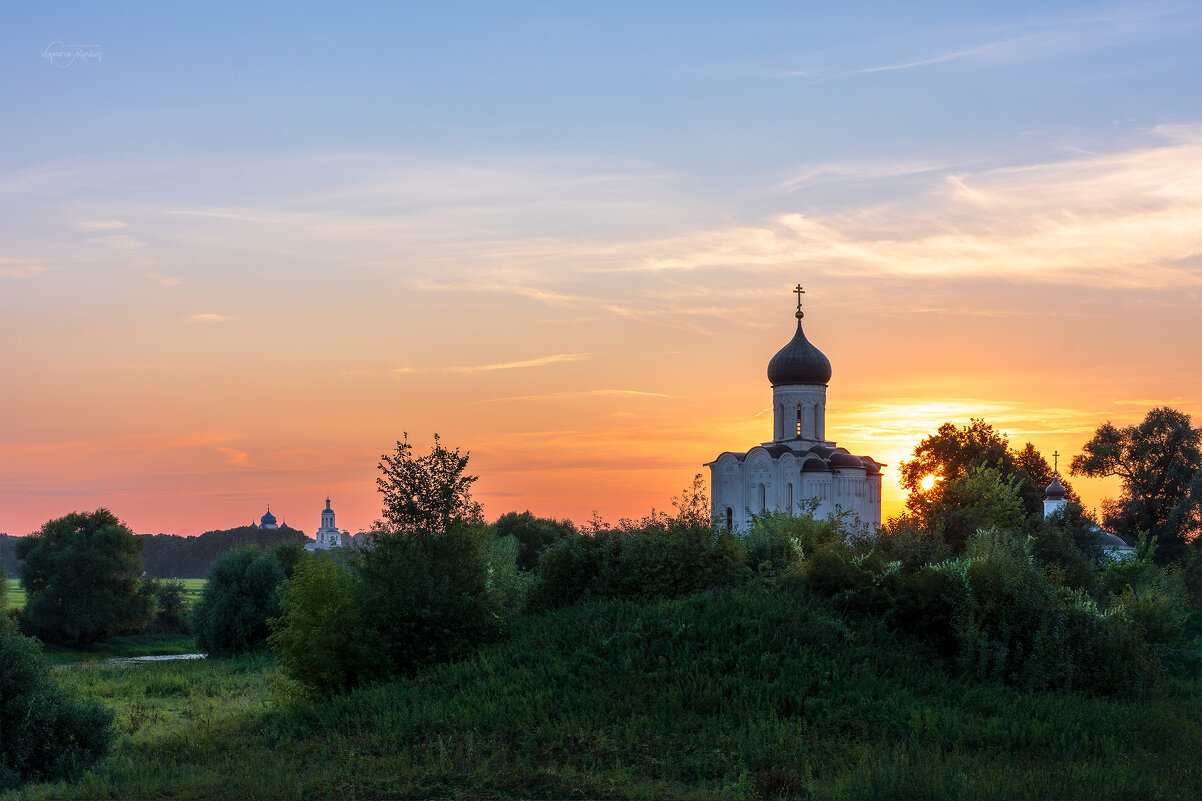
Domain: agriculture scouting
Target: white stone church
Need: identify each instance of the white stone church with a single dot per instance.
(800, 463)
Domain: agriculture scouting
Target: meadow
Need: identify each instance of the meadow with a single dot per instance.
(194, 588)
(741, 694)
(15, 594)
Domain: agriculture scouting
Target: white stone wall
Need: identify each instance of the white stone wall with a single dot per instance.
(737, 485)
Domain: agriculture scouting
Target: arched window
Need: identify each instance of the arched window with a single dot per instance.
(763, 503)
(799, 420)
(818, 434)
(730, 518)
(789, 495)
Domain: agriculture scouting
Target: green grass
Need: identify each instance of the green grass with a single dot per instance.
(15, 594)
(746, 695)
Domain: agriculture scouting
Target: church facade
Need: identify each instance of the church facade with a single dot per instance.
(799, 466)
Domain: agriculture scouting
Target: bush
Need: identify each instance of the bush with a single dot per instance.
(241, 594)
(534, 534)
(423, 598)
(171, 607)
(48, 734)
(657, 560)
(316, 634)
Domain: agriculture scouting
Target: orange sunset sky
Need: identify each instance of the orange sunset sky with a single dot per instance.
(237, 266)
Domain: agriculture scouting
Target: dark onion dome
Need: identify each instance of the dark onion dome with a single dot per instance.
(267, 519)
(1054, 491)
(799, 362)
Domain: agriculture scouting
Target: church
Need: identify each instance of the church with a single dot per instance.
(799, 465)
(327, 535)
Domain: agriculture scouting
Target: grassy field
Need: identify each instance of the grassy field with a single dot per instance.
(736, 696)
(16, 595)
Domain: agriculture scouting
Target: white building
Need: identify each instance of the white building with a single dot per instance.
(328, 536)
(800, 463)
(1113, 546)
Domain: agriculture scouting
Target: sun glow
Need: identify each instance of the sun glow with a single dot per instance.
(928, 482)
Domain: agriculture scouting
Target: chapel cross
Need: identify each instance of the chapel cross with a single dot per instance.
(1056, 462)
(799, 292)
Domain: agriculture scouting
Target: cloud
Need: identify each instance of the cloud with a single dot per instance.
(236, 458)
(19, 268)
(1127, 219)
(208, 317)
(485, 368)
(588, 393)
(99, 225)
(120, 241)
(1038, 39)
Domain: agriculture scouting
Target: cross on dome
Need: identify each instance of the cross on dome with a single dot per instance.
(799, 292)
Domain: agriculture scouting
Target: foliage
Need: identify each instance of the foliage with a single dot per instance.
(316, 634)
(241, 594)
(952, 453)
(425, 494)
(533, 534)
(424, 599)
(662, 558)
(508, 585)
(1160, 463)
(981, 499)
(49, 734)
(737, 695)
(173, 556)
(171, 609)
(80, 573)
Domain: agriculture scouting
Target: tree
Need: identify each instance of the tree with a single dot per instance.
(49, 734)
(425, 494)
(1159, 462)
(533, 534)
(242, 593)
(81, 575)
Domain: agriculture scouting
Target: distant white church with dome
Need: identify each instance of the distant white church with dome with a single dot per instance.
(799, 465)
(328, 536)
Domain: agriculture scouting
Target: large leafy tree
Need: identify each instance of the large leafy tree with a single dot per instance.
(953, 452)
(81, 575)
(1159, 462)
(425, 494)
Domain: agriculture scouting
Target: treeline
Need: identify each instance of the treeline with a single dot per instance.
(174, 556)
(8, 554)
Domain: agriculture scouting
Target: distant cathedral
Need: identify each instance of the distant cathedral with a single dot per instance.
(800, 464)
(267, 520)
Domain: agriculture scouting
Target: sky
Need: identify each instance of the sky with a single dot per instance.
(245, 248)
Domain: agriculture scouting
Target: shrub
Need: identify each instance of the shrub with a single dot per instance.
(316, 634)
(534, 534)
(48, 734)
(171, 607)
(241, 594)
(423, 598)
(660, 559)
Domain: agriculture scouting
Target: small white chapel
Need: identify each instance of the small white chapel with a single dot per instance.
(799, 463)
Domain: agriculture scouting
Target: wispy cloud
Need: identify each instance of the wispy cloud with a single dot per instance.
(1032, 40)
(588, 393)
(19, 268)
(540, 361)
(208, 317)
(120, 241)
(99, 225)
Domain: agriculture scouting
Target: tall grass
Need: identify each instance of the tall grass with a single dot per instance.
(745, 694)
